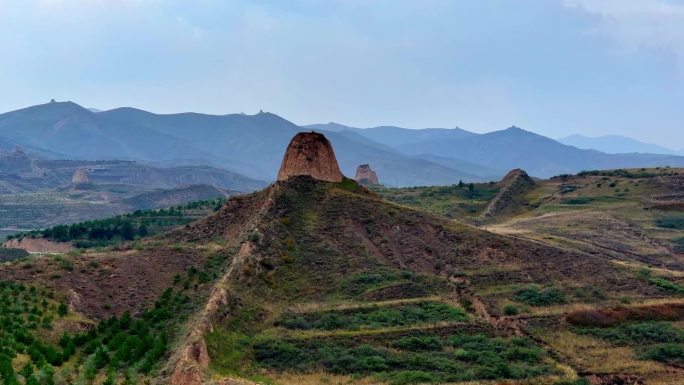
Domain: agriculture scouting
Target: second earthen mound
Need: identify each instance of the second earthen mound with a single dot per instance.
(365, 175)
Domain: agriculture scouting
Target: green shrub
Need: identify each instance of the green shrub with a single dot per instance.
(679, 245)
(577, 200)
(671, 222)
(418, 343)
(8, 254)
(638, 333)
(278, 354)
(671, 353)
(534, 296)
(412, 377)
(666, 285)
(510, 309)
(579, 381)
(416, 358)
(62, 309)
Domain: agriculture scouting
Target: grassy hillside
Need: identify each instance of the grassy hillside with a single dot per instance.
(310, 282)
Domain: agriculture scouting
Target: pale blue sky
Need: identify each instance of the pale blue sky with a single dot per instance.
(555, 67)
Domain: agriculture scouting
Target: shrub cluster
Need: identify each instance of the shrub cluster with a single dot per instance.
(675, 222)
(643, 173)
(679, 245)
(8, 254)
(535, 296)
(411, 359)
(638, 333)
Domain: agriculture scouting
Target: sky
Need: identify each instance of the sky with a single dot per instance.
(555, 67)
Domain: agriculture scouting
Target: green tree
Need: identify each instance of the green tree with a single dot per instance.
(27, 370)
(142, 231)
(62, 309)
(127, 231)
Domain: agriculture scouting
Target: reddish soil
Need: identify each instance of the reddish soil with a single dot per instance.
(617, 315)
(100, 286)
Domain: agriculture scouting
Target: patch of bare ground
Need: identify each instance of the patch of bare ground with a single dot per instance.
(39, 245)
(103, 284)
(616, 315)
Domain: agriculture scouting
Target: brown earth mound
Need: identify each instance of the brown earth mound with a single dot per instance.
(509, 199)
(366, 176)
(310, 154)
(80, 177)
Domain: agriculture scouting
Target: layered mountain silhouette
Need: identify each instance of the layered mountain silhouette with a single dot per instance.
(252, 145)
(487, 154)
(617, 144)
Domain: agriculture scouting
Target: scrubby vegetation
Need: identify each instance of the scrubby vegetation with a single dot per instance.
(374, 317)
(638, 333)
(535, 296)
(388, 284)
(679, 245)
(662, 283)
(675, 222)
(139, 224)
(410, 359)
(577, 200)
(8, 254)
(455, 201)
(653, 340)
(629, 174)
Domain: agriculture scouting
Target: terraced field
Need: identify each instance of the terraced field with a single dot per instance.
(402, 341)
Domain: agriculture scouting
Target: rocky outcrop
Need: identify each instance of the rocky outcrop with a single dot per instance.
(366, 176)
(513, 187)
(310, 154)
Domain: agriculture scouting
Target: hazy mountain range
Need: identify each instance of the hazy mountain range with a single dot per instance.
(253, 145)
(617, 144)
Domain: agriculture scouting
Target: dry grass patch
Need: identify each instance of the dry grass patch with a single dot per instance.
(594, 355)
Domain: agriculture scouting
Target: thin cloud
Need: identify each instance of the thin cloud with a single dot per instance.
(639, 23)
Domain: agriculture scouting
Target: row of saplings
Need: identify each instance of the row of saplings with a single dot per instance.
(120, 347)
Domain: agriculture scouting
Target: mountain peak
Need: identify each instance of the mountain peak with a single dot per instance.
(310, 154)
(514, 129)
(53, 107)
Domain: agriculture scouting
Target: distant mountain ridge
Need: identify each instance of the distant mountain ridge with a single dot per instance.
(253, 145)
(617, 144)
(495, 152)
